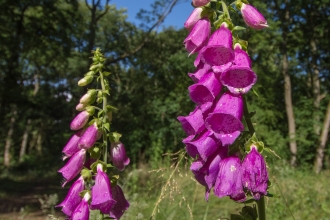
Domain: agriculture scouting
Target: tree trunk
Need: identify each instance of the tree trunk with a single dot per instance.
(7, 155)
(323, 140)
(287, 93)
(22, 152)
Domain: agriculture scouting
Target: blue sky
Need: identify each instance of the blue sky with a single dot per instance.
(177, 17)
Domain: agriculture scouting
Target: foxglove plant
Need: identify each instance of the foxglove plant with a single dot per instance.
(226, 157)
(88, 154)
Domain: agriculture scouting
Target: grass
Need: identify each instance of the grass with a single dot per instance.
(298, 194)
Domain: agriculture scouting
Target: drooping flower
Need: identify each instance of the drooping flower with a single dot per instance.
(72, 146)
(79, 121)
(73, 198)
(218, 50)
(73, 166)
(227, 115)
(193, 18)
(252, 17)
(239, 78)
(122, 204)
(198, 3)
(118, 155)
(207, 88)
(227, 139)
(201, 70)
(203, 146)
(101, 192)
(81, 212)
(193, 123)
(198, 36)
(254, 173)
(229, 180)
(89, 137)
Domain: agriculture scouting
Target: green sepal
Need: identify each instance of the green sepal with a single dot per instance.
(91, 122)
(86, 173)
(239, 28)
(90, 110)
(106, 126)
(114, 179)
(90, 73)
(106, 73)
(254, 141)
(114, 137)
(244, 44)
(95, 152)
(111, 108)
(94, 166)
(99, 114)
(109, 165)
(82, 193)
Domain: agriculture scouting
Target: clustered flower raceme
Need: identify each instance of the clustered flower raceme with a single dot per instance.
(93, 190)
(223, 75)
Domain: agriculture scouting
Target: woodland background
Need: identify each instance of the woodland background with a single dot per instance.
(45, 49)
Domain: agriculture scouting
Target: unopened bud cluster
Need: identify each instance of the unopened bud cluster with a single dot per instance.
(223, 75)
(87, 154)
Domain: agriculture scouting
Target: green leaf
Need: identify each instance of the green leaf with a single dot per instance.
(255, 92)
(100, 113)
(270, 151)
(106, 73)
(239, 28)
(106, 126)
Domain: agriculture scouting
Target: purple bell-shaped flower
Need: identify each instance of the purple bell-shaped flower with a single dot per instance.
(122, 204)
(199, 3)
(73, 166)
(81, 212)
(73, 198)
(219, 48)
(229, 180)
(193, 123)
(239, 78)
(118, 156)
(201, 70)
(254, 173)
(89, 137)
(101, 192)
(206, 89)
(72, 146)
(252, 17)
(227, 115)
(198, 36)
(79, 121)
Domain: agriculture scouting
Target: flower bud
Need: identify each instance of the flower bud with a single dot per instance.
(89, 97)
(122, 204)
(193, 18)
(101, 192)
(85, 81)
(72, 146)
(198, 3)
(81, 212)
(81, 107)
(254, 173)
(198, 37)
(79, 121)
(73, 166)
(118, 156)
(252, 17)
(73, 198)
(89, 137)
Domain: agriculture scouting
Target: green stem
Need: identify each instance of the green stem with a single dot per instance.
(104, 108)
(261, 202)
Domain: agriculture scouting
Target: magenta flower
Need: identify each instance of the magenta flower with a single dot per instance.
(101, 192)
(193, 123)
(122, 204)
(79, 121)
(207, 88)
(252, 17)
(239, 78)
(219, 48)
(72, 146)
(198, 3)
(254, 173)
(227, 115)
(201, 70)
(81, 212)
(118, 155)
(227, 139)
(193, 18)
(89, 137)
(73, 166)
(203, 146)
(198, 36)
(221, 68)
(229, 182)
(73, 198)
